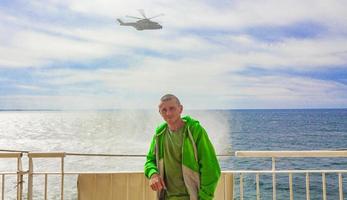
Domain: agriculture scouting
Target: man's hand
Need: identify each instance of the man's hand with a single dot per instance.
(156, 182)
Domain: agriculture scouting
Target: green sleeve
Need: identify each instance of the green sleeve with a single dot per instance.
(208, 163)
(151, 165)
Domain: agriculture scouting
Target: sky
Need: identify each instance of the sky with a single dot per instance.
(264, 54)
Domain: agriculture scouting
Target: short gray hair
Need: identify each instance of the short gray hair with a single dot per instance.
(168, 97)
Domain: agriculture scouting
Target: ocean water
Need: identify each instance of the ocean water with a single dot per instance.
(130, 132)
(289, 130)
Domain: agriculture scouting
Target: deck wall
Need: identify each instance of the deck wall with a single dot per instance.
(131, 186)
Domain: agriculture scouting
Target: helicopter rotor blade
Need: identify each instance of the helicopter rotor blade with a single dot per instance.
(142, 12)
(156, 16)
(134, 17)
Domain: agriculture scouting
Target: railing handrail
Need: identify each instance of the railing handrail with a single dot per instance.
(46, 154)
(11, 155)
(224, 171)
(255, 154)
(288, 154)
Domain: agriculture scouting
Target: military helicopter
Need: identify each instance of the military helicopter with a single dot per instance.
(144, 23)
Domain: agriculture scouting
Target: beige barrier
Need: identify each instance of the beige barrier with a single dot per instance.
(133, 186)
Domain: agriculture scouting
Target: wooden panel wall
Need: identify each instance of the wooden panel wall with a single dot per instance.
(133, 186)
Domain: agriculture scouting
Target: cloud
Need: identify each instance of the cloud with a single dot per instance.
(236, 92)
(197, 81)
(68, 42)
(203, 53)
(57, 102)
(35, 49)
(295, 54)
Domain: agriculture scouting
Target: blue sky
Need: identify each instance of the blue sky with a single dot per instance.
(212, 54)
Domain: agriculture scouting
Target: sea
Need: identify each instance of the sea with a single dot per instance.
(129, 132)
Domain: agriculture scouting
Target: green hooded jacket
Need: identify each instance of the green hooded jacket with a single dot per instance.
(200, 167)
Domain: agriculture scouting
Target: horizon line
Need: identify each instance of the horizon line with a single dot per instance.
(200, 109)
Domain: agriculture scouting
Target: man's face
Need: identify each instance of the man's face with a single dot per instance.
(170, 110)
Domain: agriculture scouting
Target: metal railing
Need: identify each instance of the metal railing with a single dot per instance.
(59, 155)
(290, 154)
(19, 173)
(32, 156)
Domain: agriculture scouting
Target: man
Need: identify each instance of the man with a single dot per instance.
(181, 162)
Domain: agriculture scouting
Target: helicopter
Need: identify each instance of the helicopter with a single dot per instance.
(144, 23)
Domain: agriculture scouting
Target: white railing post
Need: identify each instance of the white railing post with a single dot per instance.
(62, 178)
(307, 186)
(241, 186)
(273, 178)
(30, 178)
(324, 186)
(3, 187)
(258, 188)
(291, 186)
(340, 187)
(46, 185)
(19, 178)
